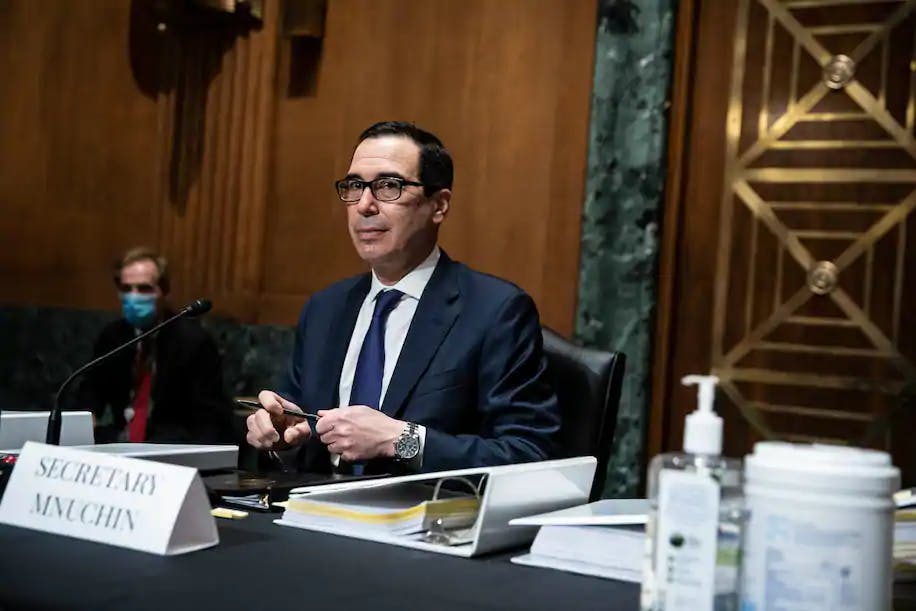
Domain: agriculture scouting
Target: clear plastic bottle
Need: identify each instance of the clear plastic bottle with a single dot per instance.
(696, 517)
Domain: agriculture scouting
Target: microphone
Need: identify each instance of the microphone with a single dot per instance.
(195, 308)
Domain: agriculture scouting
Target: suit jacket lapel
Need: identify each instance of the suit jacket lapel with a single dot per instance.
(339, 337)
(435, 315)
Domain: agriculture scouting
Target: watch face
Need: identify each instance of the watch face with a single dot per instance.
(408, 447)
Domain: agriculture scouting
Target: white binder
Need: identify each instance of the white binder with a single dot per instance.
(510, 491)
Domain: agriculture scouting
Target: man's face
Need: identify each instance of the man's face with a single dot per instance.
(141, 277)
(395, 233)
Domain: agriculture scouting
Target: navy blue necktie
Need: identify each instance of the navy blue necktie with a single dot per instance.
(370, 367)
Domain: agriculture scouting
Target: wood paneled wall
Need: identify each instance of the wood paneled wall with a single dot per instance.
(218, 142)
(78, 151)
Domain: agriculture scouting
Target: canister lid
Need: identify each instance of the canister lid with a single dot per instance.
(839, 470)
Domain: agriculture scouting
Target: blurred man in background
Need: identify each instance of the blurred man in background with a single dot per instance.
(167, 388)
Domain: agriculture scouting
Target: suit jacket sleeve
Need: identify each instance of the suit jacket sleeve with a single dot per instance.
(313, 456)
(292, 383)
(518, 413)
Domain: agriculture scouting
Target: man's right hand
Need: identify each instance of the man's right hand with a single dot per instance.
(271, 429)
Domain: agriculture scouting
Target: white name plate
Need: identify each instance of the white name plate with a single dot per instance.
(126, 502)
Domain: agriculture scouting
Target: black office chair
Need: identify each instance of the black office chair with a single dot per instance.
(588, 384)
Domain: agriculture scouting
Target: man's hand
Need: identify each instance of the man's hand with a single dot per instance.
(271, 429)
(358, 432)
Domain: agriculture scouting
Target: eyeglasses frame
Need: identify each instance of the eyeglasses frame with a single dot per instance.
(403, 182)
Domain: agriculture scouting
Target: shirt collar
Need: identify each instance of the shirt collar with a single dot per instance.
(414, 282)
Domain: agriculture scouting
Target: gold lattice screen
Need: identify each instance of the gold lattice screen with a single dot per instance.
(813, 311)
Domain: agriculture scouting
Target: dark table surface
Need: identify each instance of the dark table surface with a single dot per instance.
(259, 565)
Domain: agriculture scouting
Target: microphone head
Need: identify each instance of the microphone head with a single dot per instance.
(198, 307)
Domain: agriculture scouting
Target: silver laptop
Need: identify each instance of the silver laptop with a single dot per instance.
(18, 427)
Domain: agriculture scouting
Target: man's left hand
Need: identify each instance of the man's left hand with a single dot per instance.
(358, 432)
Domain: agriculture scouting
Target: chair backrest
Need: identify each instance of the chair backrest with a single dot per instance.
(588, 384)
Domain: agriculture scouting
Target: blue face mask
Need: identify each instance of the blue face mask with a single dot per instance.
(139, 309)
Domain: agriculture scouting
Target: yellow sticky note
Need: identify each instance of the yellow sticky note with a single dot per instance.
(229, 514)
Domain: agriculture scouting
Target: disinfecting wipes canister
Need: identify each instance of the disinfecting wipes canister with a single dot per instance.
(820, 530)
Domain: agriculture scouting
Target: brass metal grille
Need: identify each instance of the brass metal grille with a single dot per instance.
(809, 335)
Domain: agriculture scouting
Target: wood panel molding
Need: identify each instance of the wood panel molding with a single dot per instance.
(675, 181)
(216, 122)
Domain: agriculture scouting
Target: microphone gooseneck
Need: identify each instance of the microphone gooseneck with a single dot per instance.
(55, 419)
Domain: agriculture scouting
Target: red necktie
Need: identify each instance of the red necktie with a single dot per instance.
(136, 429)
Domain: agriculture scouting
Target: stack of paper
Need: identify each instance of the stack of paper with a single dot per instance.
(400, 511)
(905, 536)
(602, 539)
(905, 527)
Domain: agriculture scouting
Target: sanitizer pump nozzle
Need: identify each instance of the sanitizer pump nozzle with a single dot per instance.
(703, 427)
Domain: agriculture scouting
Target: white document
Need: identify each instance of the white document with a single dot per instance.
(611, 546)
(125, 502)
(582, 568)
(602, 539)
(18, 427)
(608, 512)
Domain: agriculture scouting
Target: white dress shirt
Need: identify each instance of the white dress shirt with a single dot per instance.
(396, 327)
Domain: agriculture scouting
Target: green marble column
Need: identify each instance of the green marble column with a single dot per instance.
(623, 200)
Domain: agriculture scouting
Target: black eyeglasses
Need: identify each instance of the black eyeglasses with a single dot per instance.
(384, 188)
(144, 288)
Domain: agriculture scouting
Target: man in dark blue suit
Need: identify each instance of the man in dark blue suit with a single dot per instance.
(430, 364)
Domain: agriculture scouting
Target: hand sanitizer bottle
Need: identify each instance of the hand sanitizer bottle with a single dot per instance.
(693, 535)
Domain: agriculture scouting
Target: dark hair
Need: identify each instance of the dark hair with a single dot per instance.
(142, 253)
(436, 169)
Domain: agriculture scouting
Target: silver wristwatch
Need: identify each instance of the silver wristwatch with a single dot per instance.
(407, 445)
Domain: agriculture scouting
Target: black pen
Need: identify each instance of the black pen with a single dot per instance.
(289, 412)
